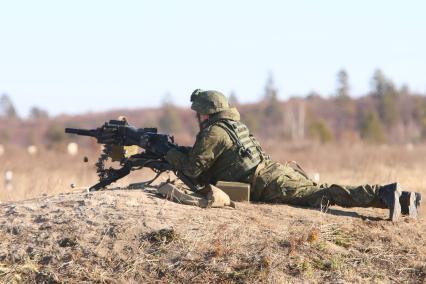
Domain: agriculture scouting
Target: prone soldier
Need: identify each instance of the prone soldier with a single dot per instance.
(225, 150)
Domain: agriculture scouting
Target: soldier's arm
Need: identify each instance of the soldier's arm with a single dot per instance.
(184, 149)
(209, 145)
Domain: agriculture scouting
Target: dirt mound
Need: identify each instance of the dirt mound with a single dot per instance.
(136, 237)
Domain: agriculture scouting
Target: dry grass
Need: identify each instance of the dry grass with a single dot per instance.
(51, 172)
(135, 237)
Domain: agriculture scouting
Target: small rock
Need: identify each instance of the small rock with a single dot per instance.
(46, 277)
(67, 242)
(163, 236)
(45, 260)
(11, 210)
(14, 230)
(29, 250)
(90, 222)
(45, 226)
(40, 219)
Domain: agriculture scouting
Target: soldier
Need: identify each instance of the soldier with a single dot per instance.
(225, 150)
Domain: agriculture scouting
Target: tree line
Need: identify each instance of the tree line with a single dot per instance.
(386, 114)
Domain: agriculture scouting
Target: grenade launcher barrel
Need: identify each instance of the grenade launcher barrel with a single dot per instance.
(82, 132)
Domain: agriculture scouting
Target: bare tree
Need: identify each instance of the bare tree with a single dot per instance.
(7, 109)
(342, 84)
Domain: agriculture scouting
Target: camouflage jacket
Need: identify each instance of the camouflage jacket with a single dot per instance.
(211, 142)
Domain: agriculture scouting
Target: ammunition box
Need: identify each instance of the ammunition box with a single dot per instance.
(120, 152)
(237, 191)
(130, 150)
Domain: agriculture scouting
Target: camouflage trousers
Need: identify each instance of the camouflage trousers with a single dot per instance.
(284, 184)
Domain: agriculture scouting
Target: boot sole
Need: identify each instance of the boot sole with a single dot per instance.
(418, 201)
(412, 204)
(395, 208)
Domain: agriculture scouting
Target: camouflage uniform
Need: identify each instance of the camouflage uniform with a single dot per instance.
(274, 182)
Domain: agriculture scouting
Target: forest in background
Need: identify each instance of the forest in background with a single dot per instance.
(387, 114)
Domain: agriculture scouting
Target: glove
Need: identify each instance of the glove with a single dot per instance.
(159, 144)
(174, 157)
(184, 149)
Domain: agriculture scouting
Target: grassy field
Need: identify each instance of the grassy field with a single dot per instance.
(123, 236)
(50, 172)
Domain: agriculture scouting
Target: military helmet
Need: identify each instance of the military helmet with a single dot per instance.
(208, 102)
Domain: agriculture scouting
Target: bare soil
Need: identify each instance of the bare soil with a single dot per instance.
(124, 236)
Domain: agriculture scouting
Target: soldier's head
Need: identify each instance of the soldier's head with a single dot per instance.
(206, 103)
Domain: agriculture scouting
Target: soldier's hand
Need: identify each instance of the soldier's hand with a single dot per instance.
(184, 149)
(174, 157)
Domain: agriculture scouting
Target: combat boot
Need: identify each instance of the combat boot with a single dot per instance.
(410, 203)
(389, 195)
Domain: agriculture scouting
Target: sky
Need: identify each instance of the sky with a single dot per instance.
(79, 56)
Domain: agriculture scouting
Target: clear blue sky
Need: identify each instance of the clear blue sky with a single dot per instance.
(75, 56)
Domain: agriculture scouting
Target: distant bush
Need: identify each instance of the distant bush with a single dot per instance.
(371, 128)
(319, 130)
(55, 134)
